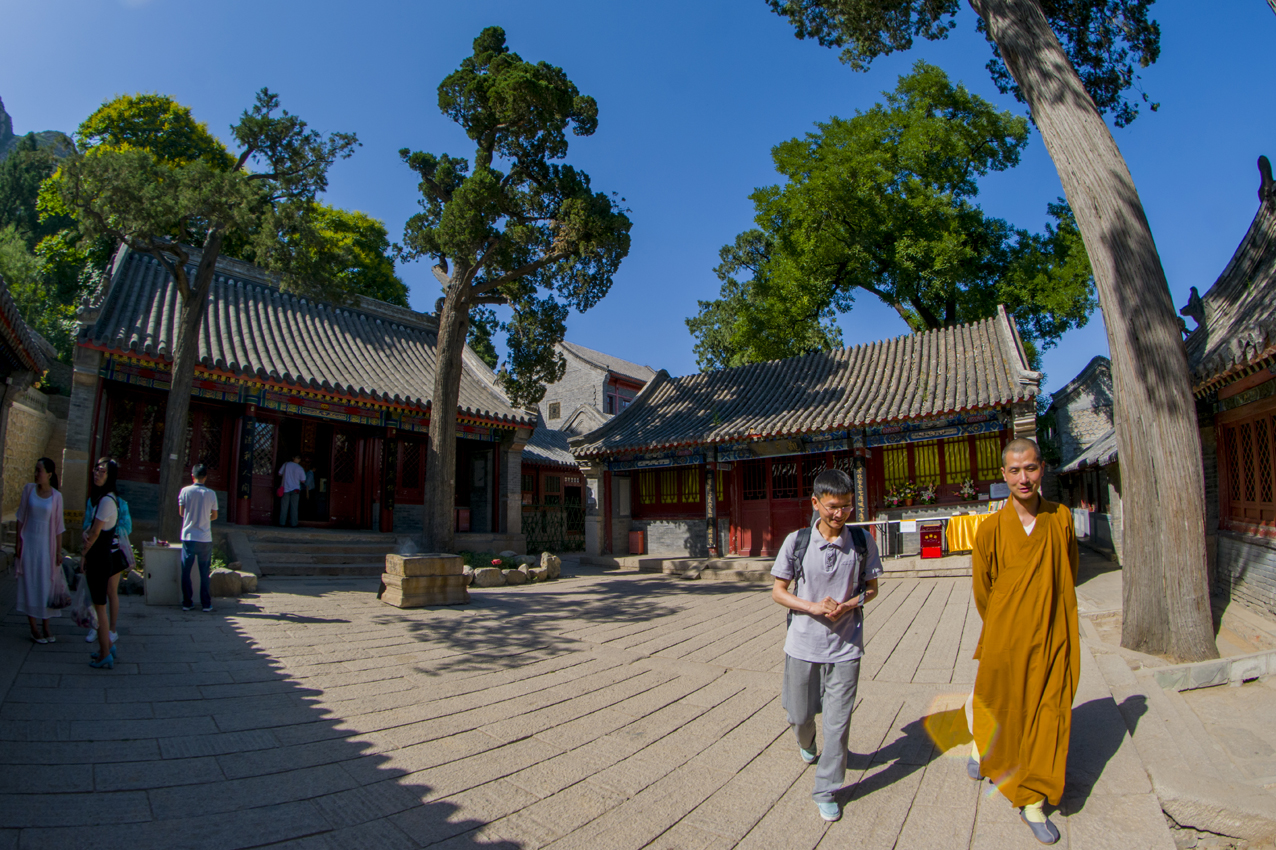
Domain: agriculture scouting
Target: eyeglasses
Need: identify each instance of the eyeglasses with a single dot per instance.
(837, 509)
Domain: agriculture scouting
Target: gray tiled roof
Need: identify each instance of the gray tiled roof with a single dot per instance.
(1240, 308)
(21, 347)
(548, 446)
(608, 363)
(1101, 452)
(375, 352)
(967, 367)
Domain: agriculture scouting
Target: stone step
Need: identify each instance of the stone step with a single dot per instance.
(325, 547)
(323, 570)
(301, 558)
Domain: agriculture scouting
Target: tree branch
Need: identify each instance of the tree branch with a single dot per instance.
(515, 274)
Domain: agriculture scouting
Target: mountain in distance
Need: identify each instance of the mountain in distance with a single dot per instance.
(58, 141)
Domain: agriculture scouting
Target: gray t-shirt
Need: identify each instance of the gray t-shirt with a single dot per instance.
(829, 569)
(198, 504)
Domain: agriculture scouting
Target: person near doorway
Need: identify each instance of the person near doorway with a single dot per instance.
(1025, 572)
(824, 574)
(197, 506)
(39, 551)
(294, 476)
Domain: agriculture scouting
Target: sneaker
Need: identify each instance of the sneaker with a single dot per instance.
(1046, 832)
(830, 811)
(91, 636)
(187, 607)
(809, 756)
(208, 610)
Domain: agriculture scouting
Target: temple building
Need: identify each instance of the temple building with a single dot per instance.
(24, 357)
(346, 387)
(723, 462)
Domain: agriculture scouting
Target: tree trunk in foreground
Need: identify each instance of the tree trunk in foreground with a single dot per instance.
(1165, 589)
(190, 319)
(438, 513)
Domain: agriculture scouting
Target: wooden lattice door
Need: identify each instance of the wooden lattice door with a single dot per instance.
(345, 503)
(263, 436)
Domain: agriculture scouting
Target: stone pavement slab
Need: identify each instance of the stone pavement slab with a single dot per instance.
(609, 709)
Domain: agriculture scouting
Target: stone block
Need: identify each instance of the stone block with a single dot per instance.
(224, 583)
(488, 577)
(416, 585)
(552, 563)
(527, 560)
(538, 574)
(514, 576)
(508, 553)
(424, 565)
(247, 582)
(453, 592)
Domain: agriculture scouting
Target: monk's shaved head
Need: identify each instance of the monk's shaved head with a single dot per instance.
(1019, 445)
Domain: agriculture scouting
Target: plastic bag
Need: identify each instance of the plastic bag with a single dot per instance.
(59, 596)
(82, 607)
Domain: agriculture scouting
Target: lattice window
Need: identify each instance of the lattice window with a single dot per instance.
(1247, 460)
(691, 476)
(753, 473)
(895, 466)
(210, 440)
(988, 453)
(1233, 467)
(812, 466)
(648, 491)
(786, 479)
(1263, 454)
(119, 444)
(668, 486)
(263, 437)
(926, 462)
(956, 460)
(343, 460)
(150, 446)
(846, 463)
(722, 487)
(554, 484)
(410, 478)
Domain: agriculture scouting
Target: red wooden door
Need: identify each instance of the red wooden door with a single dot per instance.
(755, 509)
(789, 508)
(262, 504)
(345, 500)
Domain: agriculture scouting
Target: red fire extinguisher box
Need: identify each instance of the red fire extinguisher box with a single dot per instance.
(636, 543)
(932, 537)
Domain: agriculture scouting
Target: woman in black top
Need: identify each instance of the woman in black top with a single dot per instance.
(101, 567)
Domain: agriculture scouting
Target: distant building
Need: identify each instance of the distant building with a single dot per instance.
(723, 461)
(1088, 477)
(595, 387)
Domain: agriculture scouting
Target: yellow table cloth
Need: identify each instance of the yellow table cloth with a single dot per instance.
(961, 531)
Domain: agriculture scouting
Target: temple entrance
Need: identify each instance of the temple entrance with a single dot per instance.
(339, 479)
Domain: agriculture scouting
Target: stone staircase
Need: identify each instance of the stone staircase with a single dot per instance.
(315, 552)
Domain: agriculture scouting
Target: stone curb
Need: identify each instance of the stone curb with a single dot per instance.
(1216, 671)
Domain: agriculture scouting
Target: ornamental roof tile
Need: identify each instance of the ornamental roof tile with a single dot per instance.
(21, 348)
(370, 352)
(967, 367)
(1101, 452)
(1238, 325)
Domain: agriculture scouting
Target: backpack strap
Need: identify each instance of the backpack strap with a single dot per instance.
(801, 543)
(859, 542)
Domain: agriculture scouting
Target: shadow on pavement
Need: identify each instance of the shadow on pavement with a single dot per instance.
(1098, 729)
(197, 739)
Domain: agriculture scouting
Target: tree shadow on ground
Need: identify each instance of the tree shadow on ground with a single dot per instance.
(506, 626)
(197, 739)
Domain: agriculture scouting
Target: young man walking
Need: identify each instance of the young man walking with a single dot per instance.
(197, 506)
(824, 575)
(294, 476)
(1025, 573)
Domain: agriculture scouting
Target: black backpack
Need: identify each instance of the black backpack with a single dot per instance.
(859, 542)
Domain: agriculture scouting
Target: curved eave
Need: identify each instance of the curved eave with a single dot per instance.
(335, 393)
(732, 438)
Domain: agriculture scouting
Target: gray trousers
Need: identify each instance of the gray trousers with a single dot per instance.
(288, 508)
(827, 689)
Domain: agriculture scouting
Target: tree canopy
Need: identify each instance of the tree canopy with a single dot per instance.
(883, 203)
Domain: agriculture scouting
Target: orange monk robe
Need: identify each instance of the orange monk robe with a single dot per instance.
(1029, 651)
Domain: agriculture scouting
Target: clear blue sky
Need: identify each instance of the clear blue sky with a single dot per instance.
(692, 97)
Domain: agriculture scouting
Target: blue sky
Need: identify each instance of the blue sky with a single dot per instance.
(692, 97)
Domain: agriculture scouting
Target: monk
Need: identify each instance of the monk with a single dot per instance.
(1025, 573)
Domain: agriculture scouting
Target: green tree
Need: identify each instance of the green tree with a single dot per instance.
(883, 203)
(518, 230)
(34, 293)
(152, 195)
(1072, 61)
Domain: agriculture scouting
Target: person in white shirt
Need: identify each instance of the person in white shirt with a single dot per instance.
(197, 506)
(294, 476)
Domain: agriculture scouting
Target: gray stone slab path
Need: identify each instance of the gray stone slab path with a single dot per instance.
(607, 710)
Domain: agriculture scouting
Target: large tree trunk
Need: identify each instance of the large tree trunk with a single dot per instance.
(1166, 595)
(173, 472)
(438, 522)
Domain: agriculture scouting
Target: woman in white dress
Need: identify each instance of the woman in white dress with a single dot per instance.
(39, 564)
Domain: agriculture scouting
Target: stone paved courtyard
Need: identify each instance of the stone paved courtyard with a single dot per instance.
(605, 710)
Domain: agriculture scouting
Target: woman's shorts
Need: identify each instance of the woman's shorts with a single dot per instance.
(99, 579)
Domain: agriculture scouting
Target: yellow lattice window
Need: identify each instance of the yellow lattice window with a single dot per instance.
(956, 460)
(895, 465)
(988, 453)
(926, 462)
(647, 492)
(691, 484)
(668, 486)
